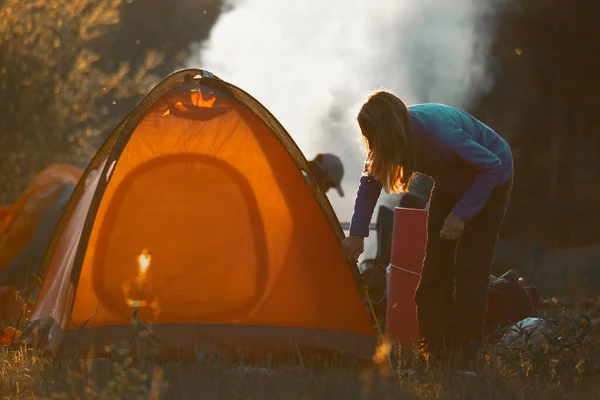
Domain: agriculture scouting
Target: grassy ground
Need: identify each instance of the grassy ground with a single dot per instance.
(564, 365)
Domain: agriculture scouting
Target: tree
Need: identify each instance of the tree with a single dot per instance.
(55, 100)
(545, 102)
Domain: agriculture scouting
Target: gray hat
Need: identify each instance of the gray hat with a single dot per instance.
(332, 166)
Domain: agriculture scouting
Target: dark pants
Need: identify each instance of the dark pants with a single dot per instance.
(451, 296)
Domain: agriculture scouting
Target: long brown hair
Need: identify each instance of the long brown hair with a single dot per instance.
(386, 128)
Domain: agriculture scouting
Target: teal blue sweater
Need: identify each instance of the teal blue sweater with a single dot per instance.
(464, 157)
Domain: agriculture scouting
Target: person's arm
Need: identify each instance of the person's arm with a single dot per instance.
(487, 167)
(366, 199)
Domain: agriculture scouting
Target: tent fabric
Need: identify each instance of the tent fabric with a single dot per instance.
(27, 225)
(242, 251)
(21, 271)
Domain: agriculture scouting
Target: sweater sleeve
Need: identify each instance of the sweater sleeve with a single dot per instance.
(487, 167)
(368, 193)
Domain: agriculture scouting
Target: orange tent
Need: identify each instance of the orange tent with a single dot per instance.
(196, 212)
(20, 220)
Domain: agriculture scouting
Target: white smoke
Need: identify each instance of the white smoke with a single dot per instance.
(312, 63)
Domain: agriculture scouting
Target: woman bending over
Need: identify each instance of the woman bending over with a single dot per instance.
(472, 170)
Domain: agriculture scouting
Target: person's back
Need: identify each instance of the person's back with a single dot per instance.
(463, 156)
(431, 120)
(429, 117)
(433, 115)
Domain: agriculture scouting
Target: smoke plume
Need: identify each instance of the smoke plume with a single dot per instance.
(312, 63)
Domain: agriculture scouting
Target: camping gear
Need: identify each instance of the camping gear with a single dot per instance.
(385, 215)
(509, 302)
(195, 220)
(530, 331)
(22, 269)
(27, 225)
(373, 278)
(9, 336)
(409, 239)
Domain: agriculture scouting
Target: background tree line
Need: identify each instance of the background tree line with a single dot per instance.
(71, 69)
(545, 100)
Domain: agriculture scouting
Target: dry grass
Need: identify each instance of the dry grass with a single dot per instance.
(565, 366)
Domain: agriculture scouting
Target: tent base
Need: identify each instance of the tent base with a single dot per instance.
(203, 340)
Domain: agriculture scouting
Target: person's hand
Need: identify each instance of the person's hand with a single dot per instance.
(352, 247)
(453, 227)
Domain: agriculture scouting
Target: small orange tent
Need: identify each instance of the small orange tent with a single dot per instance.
(196, 212)
(23, 219)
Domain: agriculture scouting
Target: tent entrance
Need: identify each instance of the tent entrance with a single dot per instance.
(199, 220)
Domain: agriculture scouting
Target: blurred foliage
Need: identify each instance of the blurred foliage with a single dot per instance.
(55, 101)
